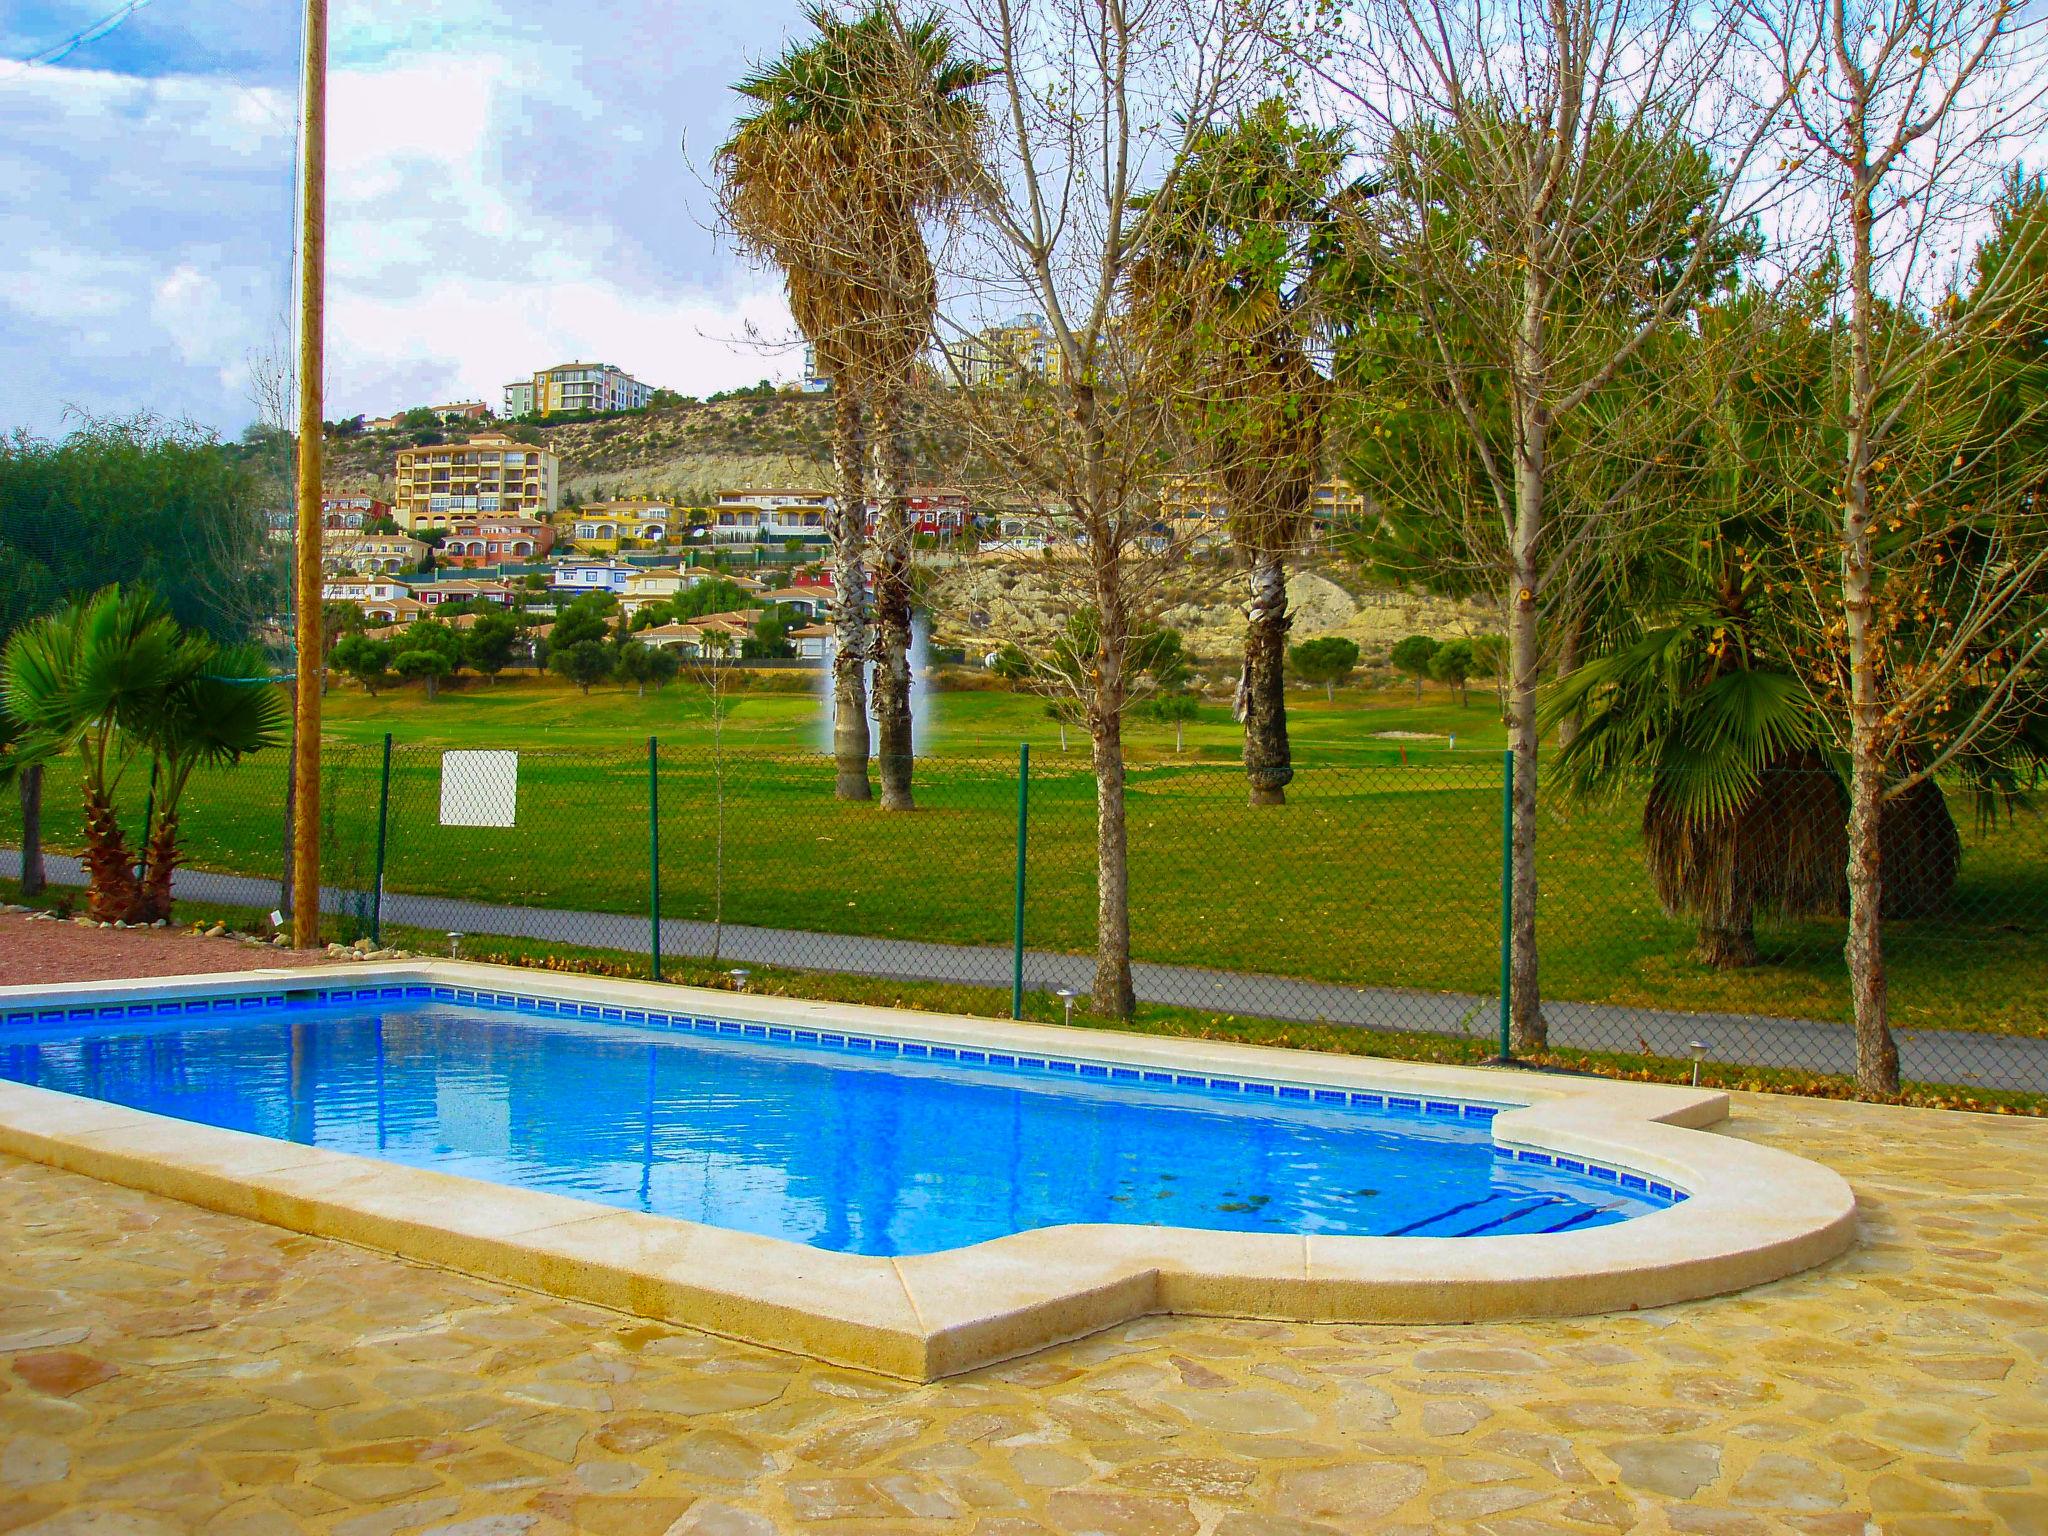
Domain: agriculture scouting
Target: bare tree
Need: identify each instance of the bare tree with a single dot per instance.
(249, 545)
(1926, 544)
(1096, 102)
(711, 666)
(1555, 185)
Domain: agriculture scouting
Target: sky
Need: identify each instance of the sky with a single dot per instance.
(511, 185)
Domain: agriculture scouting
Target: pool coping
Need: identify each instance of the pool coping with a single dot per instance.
(1754, 1213)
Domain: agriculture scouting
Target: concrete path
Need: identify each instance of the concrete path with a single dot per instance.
(1930, 1056)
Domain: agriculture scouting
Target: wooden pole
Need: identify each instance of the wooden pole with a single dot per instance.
(312, 284)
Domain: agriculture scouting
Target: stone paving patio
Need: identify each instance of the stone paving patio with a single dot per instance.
(164, 1369)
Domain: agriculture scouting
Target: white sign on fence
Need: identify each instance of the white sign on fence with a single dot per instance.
(479, 789)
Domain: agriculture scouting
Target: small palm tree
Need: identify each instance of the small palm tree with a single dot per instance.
(219, 709)
(1742, 813)
(113, 678)
(86, 679)
(1745, 812)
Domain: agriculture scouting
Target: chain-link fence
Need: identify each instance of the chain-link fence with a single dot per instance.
(1371, 900)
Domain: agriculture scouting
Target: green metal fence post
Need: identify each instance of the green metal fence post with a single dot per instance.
(654, 852)
(1023, 838)
(383, 829)
(1507, 897)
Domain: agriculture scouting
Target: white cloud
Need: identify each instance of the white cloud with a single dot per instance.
(504, 330)
(490, 211)
(50, 284)
(441, 268)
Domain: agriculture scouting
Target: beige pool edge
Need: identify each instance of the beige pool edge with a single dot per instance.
(1756, 1214)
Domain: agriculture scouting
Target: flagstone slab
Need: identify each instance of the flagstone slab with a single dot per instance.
(1902, 1387)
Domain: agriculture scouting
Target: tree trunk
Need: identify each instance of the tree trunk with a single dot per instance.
(1528, 1031)
(30, 787)
(1113, 995)
(1569, 646)
(1877, 1053)
(1727, 938)
(291, 798)
(892, 607)
(850, 603)
(159, 864)
(111, 889)
(1268, 762)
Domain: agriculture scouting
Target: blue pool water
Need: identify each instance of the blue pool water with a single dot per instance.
(822, 1145)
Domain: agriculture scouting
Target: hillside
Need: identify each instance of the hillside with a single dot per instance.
(687, 452)
(982, 604)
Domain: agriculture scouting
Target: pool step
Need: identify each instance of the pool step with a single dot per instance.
(1503, 1215)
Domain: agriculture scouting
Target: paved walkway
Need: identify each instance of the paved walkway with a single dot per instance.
(1929, 1056)
(33, 953)
(164, 1370)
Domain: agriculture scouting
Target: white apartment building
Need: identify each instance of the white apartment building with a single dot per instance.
(576, 387)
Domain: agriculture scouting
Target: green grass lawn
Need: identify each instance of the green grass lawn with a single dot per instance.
(779, 711)
(1376, 873)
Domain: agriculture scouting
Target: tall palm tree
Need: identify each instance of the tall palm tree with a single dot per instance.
(1226, 294)
(856, 136)
(923, 97)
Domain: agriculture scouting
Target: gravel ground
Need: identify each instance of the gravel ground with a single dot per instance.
(36, 952)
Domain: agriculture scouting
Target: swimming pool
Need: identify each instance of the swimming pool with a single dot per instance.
(841, 1146)
(915, 1194)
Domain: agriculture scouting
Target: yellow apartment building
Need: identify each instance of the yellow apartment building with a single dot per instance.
(1010, 354)
(491, 473)
(1197, 501)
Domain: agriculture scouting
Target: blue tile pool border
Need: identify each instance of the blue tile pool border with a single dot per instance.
(1381, 1101)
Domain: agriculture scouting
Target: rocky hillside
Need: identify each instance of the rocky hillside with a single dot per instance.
(985, 603)
(687, 452)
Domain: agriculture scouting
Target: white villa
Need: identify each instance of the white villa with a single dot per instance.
(813, 602)
(371, 553)
(645, 588)
(579, 576)
(771, 517)
(363, 589)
